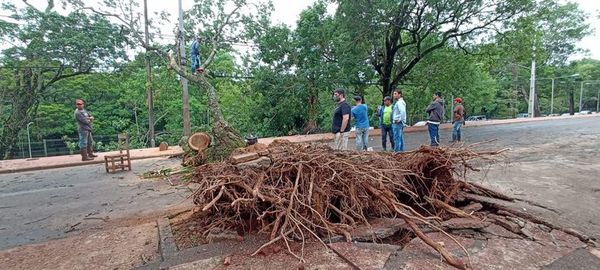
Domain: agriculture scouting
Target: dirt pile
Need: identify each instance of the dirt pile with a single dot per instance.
(300, 192)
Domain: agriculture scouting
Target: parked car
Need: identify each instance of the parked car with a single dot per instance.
(565, 114)
(554, 114)
(523, 115)
(585, 112)
(420, 124)
(476, 118)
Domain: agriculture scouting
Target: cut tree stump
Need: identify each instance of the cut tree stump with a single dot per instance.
(199, 141)
(163, 146)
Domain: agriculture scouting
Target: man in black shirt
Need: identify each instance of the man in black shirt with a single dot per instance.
(341, 120)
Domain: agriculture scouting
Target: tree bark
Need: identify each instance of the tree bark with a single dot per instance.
(536, 106)
(571, 102)
(311, 126)
(225, 137)
(23, 106)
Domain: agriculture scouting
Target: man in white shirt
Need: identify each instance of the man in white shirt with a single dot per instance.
(398, 120)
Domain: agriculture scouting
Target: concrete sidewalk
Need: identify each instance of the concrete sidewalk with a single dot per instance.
(20, 165)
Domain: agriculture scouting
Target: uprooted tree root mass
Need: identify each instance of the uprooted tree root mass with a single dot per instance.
(311, 192)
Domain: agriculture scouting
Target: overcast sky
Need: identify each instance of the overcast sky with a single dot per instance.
(287, 11)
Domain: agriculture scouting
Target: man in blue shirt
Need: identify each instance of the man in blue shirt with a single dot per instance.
(195, 54)
(361, 118)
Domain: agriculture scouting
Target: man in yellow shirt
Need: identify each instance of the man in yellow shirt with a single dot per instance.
(385, 122)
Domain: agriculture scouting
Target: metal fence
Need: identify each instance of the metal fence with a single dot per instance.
(58, 147)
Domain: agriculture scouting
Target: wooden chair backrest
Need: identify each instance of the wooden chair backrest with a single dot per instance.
(123, 141)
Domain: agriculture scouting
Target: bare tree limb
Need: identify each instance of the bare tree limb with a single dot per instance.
(217, 36)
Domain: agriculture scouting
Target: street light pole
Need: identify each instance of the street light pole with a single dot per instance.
(552, 98)
(187, 128)
(581, 97)
(29, 138)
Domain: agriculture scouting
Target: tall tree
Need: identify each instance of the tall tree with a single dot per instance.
(401, 33)
(48, 47)
(313, 57)
(547, 33)
(223, 22)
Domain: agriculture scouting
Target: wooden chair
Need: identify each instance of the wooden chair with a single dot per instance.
(122, 160)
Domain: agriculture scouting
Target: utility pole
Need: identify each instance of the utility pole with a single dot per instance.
(149, 91)
(187, 127)
(531, 109)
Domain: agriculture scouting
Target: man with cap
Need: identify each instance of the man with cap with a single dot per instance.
(458, 119)
(361, 120)
(195, 54)
(84, 127)
(385, 122)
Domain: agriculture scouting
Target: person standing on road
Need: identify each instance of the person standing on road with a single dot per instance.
(361, 119)
(385, 122)
(84, 127)
(341, 120)
(398, 120)
(436, 116)
(458, 119)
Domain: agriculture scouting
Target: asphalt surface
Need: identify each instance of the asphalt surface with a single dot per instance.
(504, 135)
(551, 163)
(554, 163)
(42, 205)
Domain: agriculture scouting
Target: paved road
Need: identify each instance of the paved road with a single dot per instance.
(554, 163)
(509, 135)
(43, 205)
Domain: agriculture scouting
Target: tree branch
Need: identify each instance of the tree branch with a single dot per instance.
(217, 36)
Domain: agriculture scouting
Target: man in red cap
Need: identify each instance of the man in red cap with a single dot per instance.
(458, 119)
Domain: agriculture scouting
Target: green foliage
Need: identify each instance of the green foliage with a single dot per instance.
(366, 47)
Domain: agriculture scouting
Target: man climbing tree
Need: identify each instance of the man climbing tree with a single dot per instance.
(195, 55)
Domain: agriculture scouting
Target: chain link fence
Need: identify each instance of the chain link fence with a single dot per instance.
(58, 147)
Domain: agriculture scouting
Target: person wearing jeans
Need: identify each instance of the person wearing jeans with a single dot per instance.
(398, 120)
(361, 118)
(195, 54)
(385, 122)
(457, 119)
(436, 116)
(84, 127)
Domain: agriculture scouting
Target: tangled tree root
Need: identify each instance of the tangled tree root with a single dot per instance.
(310, 191)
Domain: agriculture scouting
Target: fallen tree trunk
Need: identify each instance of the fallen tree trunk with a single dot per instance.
(226, 138)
